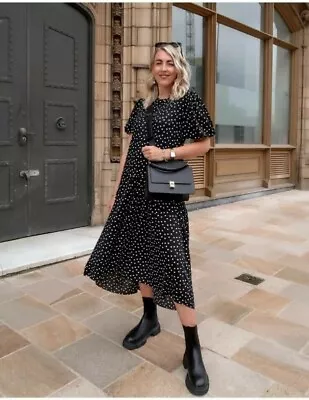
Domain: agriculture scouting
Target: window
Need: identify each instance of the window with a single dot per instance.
(188, 30)
(250, 14)
(280, 96)
(281, 31)
(239, 87)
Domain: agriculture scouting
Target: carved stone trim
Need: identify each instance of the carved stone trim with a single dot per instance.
(117, 60)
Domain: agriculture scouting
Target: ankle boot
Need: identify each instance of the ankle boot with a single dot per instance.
(197, 381)
(148, 326)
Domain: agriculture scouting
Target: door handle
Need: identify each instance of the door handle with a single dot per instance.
(23, 136)
(28, 173)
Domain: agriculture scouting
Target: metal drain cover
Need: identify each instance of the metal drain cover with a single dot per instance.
(253, 280)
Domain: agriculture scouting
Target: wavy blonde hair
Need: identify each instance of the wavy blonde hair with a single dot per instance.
(182, 82)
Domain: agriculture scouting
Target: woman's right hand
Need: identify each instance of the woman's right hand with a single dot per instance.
(111, 203)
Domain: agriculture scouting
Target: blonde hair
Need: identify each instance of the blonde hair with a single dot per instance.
(182, 81)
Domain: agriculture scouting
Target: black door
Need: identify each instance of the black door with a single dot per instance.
(46, 167)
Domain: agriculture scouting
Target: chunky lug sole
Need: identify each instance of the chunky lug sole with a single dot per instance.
(197, 391)
(132, 346)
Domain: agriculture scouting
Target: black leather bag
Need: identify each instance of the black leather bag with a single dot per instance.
(167, 180)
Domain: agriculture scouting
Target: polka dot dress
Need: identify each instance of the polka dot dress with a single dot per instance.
(145, 240)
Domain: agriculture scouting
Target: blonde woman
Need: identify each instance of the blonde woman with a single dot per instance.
(145, 242)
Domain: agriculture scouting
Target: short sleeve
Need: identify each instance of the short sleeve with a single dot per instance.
(199, 122)
(131, 123)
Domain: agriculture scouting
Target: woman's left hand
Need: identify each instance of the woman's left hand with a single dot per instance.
(152, 153)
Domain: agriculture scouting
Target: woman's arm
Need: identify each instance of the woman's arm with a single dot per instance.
(190, 150)
(185, 152)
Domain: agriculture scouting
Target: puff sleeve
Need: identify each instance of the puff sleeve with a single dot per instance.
(130, 126)
(199, 124)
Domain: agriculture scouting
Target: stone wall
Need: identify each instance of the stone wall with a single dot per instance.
(303, 140)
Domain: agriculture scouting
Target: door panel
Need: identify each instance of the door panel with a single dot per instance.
(58, 117)
(45, 92)
(13, 110)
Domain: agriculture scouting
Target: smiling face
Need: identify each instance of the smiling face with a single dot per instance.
(164, 70)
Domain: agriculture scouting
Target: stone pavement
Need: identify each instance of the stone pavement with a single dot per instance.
(60, 335)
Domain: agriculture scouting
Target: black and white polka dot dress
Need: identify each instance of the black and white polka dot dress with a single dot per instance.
(145, 240)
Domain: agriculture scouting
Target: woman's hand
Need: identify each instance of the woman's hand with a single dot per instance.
(153, 153)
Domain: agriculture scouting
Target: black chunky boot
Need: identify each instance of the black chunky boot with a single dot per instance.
(197, 380)
(148, 326)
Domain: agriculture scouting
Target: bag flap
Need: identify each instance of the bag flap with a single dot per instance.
(170, 166)
(183, 176)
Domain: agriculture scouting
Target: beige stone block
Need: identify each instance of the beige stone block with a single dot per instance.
(127, 55)
(103, 73)
(305, 173)
(127, 109)
(98, 128)
(98, 109)
(147, 381)
(144, 37)
(143, 5)
(100, 15)
(99, 34)
(127, 15)
(164, 14)
(103, 54)
(98, 151)
(127, 36)
(96, 217)
(288, 334)
(97, 172)
(143, 17)
(79, 388)
(107, 39)
(281, 390)
(106, 182)
(276, 362)
(306, 92)
(97, 197)
(164, 34)
(223, 338)
(127, 75)
(264, 301)
(99, 91)
(126, 90)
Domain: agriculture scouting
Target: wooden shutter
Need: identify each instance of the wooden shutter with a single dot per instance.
(199, 171)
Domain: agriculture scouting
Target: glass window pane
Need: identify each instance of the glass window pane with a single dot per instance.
(188, 29)
(280, 96)
(239, 85)
(248, 13)
(281, 30)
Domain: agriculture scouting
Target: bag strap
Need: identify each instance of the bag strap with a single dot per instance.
(150, 137)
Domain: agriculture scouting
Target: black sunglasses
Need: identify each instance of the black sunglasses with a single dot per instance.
(176, 45)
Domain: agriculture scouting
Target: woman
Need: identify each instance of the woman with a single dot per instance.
(145, 242)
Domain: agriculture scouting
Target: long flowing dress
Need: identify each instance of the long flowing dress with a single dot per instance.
(147, 241)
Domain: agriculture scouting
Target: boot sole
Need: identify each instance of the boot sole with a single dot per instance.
(137, 345)
(200, 391)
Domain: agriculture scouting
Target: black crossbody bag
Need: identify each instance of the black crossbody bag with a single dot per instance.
(167, 180)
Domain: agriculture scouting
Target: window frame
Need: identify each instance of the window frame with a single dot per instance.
(291, 18)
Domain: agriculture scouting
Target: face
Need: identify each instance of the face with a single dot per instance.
(164, 70)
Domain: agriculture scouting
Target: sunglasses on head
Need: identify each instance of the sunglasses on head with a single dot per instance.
(176, 45)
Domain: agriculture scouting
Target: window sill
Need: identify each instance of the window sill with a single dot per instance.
(241, 146)
(283, 146)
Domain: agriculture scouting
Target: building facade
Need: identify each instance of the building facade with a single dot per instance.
(69, 76)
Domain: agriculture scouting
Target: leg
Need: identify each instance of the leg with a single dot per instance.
(146, 291)
(197, 380)
(148, 325)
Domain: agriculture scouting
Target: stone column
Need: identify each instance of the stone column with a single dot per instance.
(304, 123)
